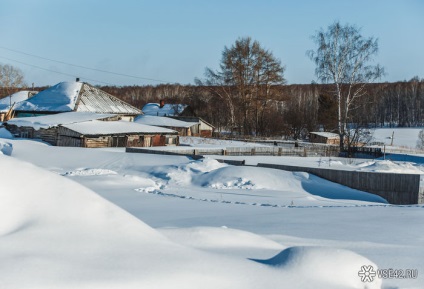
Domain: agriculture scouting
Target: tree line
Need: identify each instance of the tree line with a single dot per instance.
(294, 109)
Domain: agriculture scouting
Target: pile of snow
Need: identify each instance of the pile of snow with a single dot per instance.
(58, 98)
(4, 133)
(209, 173)
(320, 266)
(55, 233)
(398, 137)
(6, 148)
(388, 166)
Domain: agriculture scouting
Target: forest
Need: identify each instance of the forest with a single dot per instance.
(293, 110)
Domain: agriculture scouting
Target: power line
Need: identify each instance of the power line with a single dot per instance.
(85, 67)
(50, 70)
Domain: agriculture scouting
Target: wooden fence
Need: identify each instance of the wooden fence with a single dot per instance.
(320, 151)
(399, 189)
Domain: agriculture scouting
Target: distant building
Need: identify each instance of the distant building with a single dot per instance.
(204, 129)
(324, 137)
(74, 96)
(87, 129)
(162, 109)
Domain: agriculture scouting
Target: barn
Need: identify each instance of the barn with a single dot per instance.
(94, 134)
(87, 129)
(74, 96)
(324, 137)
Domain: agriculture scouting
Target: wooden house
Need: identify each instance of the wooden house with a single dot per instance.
(203, 128)
(324, 137)
(93, 134)
(182, 127)
(87, 129)
(75, 96)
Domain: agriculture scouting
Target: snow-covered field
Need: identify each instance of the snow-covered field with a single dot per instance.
(103, 218)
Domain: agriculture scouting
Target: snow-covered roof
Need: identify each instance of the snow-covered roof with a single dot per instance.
(51, 120)
(326, 134)
(162, 121)
(75, 96)
(14, 98)
(58, 98)
(96, 127)
(166, 110)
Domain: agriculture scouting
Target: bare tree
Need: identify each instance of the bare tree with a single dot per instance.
(342, 58)
(11, 79)
(245, 81)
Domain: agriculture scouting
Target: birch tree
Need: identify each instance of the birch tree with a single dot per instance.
(344, 58)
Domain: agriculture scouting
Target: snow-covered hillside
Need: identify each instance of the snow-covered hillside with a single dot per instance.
(103, 218)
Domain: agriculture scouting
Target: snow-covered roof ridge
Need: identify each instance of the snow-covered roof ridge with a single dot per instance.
(58, 98)
(96, 127)
(162, 121)
(76, 96)
(47, 121)
(166, 110)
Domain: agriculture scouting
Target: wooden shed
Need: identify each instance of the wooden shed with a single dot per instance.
(93, 134)
(204, 129)
(324, 137)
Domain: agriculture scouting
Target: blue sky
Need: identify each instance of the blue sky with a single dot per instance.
(173, 41)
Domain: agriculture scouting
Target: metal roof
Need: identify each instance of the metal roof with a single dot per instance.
(96, 100)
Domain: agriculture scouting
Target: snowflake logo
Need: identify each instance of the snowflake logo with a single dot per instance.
(367, 273)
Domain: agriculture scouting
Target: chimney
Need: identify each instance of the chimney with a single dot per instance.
(77, 80)
(162, 103)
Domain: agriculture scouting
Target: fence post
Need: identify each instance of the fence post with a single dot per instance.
(253, 152)
(280, 151)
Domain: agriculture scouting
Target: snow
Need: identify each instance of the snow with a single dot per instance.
(326, 134)
(5, 134)
(96, 127)
(61, 97)
(6, 148)
(103, 218)
(48, 121)
(14, 98)
(167, 110)
(402, 137)
(162, 121)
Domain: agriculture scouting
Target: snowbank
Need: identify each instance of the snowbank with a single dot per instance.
(318, 266)
(4, 133)
(6, 148)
